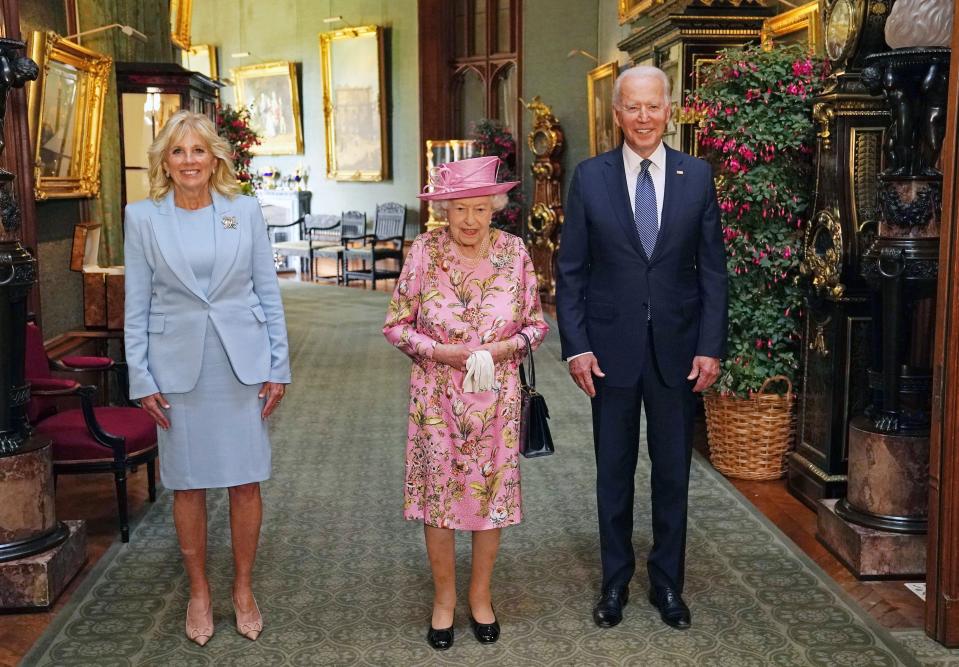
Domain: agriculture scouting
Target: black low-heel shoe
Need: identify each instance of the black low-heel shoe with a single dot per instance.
(485, 633)
(440, 639)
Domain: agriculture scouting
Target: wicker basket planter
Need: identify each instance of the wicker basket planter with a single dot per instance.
(750, 437)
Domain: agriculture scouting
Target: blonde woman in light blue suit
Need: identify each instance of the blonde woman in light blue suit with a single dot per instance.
(206, 346)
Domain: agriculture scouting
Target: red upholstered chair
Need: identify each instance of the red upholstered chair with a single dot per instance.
(88, 439)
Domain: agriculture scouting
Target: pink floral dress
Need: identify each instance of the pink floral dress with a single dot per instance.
(462, 457)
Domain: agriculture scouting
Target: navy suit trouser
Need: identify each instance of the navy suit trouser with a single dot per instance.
(669, 427)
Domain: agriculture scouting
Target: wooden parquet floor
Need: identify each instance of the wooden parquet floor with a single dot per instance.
(91, 497)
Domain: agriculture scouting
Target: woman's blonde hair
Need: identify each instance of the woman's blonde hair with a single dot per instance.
(224, 177)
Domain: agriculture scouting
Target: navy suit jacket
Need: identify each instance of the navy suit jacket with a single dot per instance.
(605, 281)
(167, 311)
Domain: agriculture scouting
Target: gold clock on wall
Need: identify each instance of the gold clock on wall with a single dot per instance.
(542, 142)
(843, 22)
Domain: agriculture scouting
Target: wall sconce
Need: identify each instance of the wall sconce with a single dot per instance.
(585, 54)
(127, 30)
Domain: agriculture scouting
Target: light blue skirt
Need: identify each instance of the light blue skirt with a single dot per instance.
(216, 437)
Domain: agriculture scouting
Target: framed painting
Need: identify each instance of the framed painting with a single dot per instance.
(65, 116)
(800, 25)
(201, 58)
(604, 133)
(181, 14)
(270, 92)
(354, 104)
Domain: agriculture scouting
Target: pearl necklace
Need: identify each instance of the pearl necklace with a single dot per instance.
(472, 262)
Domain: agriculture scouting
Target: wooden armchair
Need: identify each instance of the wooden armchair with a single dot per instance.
(385, 243)
(316, 231)
(352, 232)
(88, 439)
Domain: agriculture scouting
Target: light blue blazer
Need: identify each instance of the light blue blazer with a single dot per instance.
(166, 311)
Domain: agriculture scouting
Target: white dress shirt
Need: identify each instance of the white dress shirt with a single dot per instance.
(633, 164)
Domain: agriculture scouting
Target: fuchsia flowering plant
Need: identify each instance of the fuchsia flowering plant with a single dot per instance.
(494, 139)
(234, 126)
(756, 129)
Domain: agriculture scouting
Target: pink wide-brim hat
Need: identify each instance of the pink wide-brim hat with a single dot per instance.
(474, 177)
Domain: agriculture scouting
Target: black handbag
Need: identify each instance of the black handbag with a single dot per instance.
(534, 436)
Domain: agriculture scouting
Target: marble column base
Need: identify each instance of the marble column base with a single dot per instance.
(870, 553)
(34, 583)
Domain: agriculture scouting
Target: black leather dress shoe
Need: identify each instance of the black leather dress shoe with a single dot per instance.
(608, 612)
(485, 633)
(672, 609)
(440, 639)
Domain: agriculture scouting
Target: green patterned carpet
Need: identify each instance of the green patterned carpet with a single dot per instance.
(343, 580)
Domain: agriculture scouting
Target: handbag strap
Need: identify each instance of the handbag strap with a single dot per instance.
(532, 365)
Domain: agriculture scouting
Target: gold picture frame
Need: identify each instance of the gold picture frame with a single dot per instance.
(354, 104)
(784, 27)
(65, 116)
(604, 133)
(181, 15)
(629, 10)
(271, 93)
(201, 58)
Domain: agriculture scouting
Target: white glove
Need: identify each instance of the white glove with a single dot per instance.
(479, 372)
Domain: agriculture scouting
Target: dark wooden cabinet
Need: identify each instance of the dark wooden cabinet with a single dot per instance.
(148, 94)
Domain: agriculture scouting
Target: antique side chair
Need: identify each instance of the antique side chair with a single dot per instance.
(384, 244)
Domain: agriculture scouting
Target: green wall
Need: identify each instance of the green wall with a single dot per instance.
(559, 81)
(289, 30)
(61, 290)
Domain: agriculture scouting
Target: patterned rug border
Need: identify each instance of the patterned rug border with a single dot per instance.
(883, 634)
(848, 601)
(92, 577)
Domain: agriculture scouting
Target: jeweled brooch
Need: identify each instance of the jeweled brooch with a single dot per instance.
(229, 222)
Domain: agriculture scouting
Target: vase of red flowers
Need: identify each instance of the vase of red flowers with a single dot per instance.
(234, 126)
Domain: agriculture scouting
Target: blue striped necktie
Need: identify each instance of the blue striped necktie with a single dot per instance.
(644, 211)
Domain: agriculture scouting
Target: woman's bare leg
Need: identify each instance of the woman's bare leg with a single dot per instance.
(440, 546)
(485, 548)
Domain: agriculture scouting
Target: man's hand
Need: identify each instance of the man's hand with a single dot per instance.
(582, 369)
(705, 371)
(155, 404)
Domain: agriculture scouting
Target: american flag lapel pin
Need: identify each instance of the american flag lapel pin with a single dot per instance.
(229, 222)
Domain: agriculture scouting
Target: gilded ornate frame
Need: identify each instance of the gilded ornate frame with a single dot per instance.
(327, 40)
(631, 9)
(205, 54)
(290, 143)
(609, 70)
(93, 80)
(803, 18)
(181, 15)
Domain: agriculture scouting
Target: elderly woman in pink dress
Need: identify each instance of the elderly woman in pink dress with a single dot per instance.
(466, 297)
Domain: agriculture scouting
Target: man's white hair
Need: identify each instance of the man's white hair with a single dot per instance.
(642, 72)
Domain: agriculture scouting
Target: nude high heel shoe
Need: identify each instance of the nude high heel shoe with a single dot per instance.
(248, 625)
(199, 634)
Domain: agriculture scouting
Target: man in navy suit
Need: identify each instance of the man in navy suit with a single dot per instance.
(641, 299)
